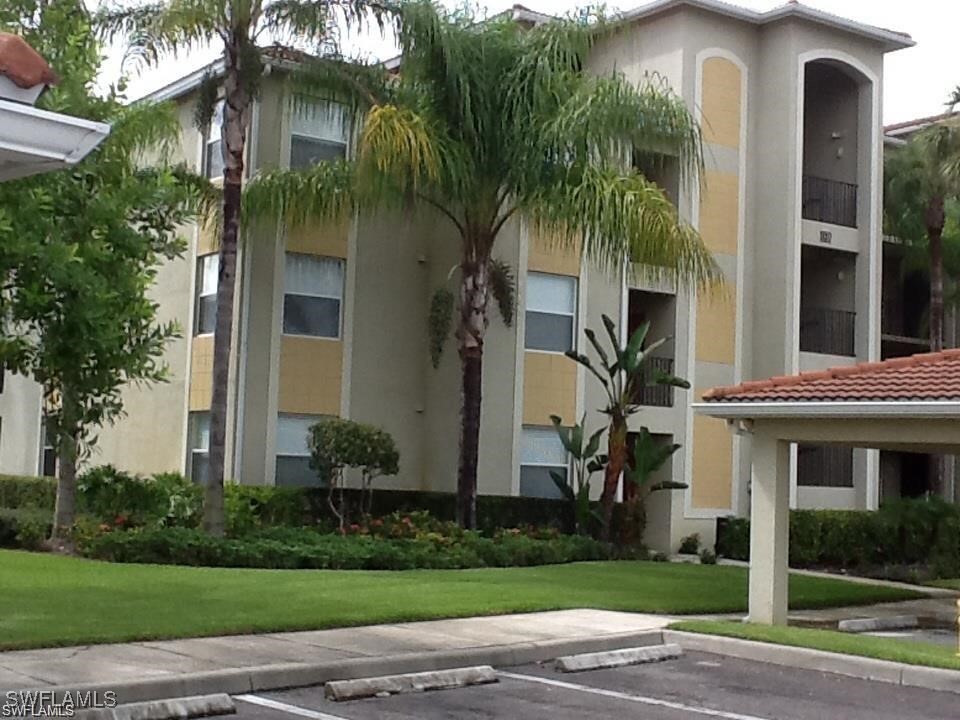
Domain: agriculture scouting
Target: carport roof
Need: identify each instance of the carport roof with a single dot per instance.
(928, 377)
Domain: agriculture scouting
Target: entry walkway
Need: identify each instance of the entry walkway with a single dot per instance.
(122, 663)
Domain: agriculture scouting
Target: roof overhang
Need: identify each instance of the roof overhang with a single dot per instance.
(782, 410)
(889, 39)
(34, 141)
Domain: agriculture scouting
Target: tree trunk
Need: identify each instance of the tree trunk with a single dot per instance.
(236, 120)
(474, 293)
(616, 462)
(65, 508)
(935, 220)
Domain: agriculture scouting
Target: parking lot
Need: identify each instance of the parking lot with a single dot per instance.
(697, 685)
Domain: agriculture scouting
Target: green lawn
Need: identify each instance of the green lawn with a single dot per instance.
(914, 653)
(54, 600)
(953, 584)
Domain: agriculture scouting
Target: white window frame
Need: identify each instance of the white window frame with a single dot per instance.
(200, 294)
(318, 103)
(573, 314)
(567, 466)
(343, 275)
(192, 417)
(212, 136)
(306, 452)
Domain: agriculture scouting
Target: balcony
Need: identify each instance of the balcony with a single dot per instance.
(827, 331)
(829, 201)
(655, 395)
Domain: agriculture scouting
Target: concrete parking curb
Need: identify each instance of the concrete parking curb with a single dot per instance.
(875, 624)
(617, 658)
(171, 709)
(239, 681)
(340, 690)
(820, 660)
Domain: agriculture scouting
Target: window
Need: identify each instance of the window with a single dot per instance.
(551, 307)
(208, 270)
(213, 145)
(824, 466)
(319, 130)
(540, 453)
(48, 454)
(293, 451)
(198, 447)
(314, 290)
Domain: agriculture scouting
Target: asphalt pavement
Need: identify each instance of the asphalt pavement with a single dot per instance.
(693, 687)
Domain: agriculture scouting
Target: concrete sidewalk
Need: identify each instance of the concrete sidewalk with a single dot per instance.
(179, 661)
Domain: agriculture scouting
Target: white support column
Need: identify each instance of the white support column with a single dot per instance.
(769, 530)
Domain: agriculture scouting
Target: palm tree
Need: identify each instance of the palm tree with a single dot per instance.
(920, 178)
(168, 27)
(488, 121)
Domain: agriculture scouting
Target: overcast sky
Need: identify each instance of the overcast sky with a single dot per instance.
(917, 80)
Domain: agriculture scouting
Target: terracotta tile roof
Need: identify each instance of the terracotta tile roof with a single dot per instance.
(22, 64)
(929, 376)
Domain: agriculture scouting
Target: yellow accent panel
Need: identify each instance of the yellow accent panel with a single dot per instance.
(720, 102)
(712, 485)
(546, 256)
(207, 239)
(330, 240)
(311, 372)
(720, 212)
(549, 388)
(201, 372)
(717, 327)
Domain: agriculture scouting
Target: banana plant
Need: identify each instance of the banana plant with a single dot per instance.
(622, 372)
(586, 462)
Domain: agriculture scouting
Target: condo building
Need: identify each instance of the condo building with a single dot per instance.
(332, 320)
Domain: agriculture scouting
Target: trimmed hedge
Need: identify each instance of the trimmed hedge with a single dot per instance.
(107, 495)
(903, 532)
(291, 548)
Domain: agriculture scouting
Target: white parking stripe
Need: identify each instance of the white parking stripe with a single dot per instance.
(631, 698)
(284, 707)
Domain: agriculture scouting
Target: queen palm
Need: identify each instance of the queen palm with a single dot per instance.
(159, 29)
(489, 121)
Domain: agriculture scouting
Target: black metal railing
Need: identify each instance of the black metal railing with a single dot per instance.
(829, 201)
(655, 395)
(827, 331)
(824, 466)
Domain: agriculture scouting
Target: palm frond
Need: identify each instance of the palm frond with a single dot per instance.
(503, 285)
(154, 30)
(326, 191)
(398, 149)
(356, 83)
(623, 219)
(319, 20)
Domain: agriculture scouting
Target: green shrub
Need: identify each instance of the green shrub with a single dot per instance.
(24, 528)
(733, 538)
(27, 492)
(903, 533)
(690, 545)
(285, 547)
(249, 507)
(708, 557)
(126, 500)
(806, 529)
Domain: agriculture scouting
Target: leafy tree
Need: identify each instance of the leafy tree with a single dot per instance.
(586, 462)
(921, 178)
(337, 444)
(163, 28)
(625, 370)
(487, 122)
(88, 244)
(647, 457)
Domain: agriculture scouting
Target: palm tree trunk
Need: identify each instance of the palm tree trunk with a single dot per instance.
(233, 136)
(935, 220)
(65, 509)
(616, 462)
(474, 293)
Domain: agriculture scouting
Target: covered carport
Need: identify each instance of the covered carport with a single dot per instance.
(908, 404)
